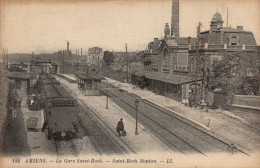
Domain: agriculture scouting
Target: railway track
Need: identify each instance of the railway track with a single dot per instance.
(93, 141)
(75, 147)
(98, 140)
(65, 148)
(175, 131)
(117, 144)
(171, 129)
(90, 141)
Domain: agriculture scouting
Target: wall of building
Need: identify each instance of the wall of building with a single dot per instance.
(92, 92)
(247, 100)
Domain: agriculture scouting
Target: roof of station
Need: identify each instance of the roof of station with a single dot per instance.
(90, 77)
(21, 75)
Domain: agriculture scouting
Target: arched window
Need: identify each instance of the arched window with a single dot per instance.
(233, 39)
(201, 63)
(166, 57)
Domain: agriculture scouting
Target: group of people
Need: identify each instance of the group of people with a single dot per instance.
(32, 102)
(17, 99)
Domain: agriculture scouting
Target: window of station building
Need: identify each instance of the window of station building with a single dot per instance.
(166, 58)
(182, 61)
(192, 65)
(233, 39)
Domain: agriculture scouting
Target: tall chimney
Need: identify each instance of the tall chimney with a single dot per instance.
(175, 18)
(68, 47)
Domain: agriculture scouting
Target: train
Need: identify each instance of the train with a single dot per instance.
(46, 79)
(60, 110)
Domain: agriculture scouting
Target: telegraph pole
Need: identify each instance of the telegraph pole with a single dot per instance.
(98, 64)
(68, 48)
(81, 52)
(4, 58)
(196, 57)
(7, 57)
(126, 63)
(227, 16)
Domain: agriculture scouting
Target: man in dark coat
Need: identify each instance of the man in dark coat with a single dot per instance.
(120, 127)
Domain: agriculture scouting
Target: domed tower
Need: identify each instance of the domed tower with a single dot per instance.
(167, 31)
(216, 22)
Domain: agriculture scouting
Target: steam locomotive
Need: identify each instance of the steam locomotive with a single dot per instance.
(60, 110)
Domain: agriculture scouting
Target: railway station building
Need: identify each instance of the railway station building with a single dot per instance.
(22, 81)
(166, 65)
(177, 66)
(216, 43)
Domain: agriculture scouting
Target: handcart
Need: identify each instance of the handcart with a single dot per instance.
(32, 124)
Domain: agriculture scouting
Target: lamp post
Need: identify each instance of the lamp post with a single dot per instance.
(107, 100)
(136, 105)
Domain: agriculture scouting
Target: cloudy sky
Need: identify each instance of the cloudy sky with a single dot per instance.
(45, 26)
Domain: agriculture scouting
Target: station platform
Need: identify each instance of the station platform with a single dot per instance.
(37, 140)
(144, 143)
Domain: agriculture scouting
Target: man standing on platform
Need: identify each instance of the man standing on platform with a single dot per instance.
(120, 127)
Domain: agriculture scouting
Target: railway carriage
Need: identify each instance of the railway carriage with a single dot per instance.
(46, 76)
(46, 79)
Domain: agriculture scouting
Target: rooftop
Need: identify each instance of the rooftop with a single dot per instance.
(21, 75)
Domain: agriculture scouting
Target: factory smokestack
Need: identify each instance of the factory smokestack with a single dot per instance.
(175, 18)
(68, 46)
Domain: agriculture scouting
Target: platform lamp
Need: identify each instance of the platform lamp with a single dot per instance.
(107, 98)
(136, 105)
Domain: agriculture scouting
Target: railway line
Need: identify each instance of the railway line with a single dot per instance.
(95, 138)
(89, 137)
(120, 145)
(91, 141)
(175, 131)
(178, 134)
(65, 148)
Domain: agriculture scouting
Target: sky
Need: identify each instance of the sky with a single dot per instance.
(46, 26)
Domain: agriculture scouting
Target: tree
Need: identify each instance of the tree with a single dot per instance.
(237, 73)
(109, 58)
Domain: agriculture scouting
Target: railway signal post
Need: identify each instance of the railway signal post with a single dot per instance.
(136, 105)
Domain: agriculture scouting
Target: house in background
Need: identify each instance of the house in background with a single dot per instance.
(218, 41)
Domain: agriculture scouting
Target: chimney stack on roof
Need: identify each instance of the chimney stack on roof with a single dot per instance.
(189, 40)
(239, 27)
